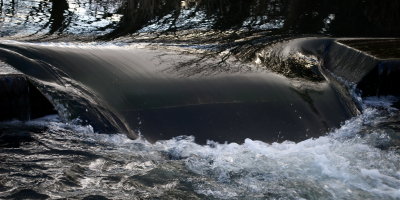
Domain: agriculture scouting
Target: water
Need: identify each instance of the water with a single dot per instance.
(187, 114)
(38, 18)
(65, 160)
(89, 19)
(148, 90)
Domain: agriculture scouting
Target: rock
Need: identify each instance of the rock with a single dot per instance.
(20, 100)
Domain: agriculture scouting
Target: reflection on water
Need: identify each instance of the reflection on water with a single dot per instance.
(57, 16)
(121, 17)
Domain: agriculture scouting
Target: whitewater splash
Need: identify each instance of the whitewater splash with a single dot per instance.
(358, 160)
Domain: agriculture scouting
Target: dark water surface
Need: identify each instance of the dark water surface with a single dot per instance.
(152, 96)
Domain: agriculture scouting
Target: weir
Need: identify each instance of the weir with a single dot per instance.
(373, 65)
(119, 99)
(142, 91)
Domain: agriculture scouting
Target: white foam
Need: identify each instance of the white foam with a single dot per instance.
(344, 164)
(341, 164)
(97, 164)
(382, 101)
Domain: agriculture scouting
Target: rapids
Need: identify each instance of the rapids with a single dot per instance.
(66, 160)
